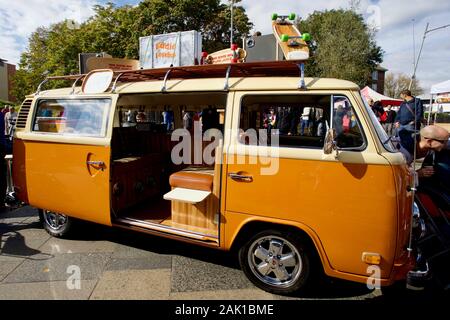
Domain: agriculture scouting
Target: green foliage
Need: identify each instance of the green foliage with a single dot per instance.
(342, 46)
(116, 30)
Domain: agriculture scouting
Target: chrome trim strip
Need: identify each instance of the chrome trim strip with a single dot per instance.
(166, 229)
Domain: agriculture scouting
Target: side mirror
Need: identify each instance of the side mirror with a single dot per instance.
(330, 142)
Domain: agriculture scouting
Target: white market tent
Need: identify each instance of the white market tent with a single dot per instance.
(442, 87)
(440, 97)
(369, 93)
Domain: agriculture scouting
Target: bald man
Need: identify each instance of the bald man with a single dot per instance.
(432, 138)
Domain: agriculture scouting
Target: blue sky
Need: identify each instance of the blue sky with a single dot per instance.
(393, 18)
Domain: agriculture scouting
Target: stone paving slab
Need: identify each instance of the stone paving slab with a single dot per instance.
(53, 290)
(17, 248)
(62, 246)
(237, 294)
(159, 262)
(133, 284)
(56, 268)
(6, 267)
(194, 275)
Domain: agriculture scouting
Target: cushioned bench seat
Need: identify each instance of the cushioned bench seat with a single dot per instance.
(196, 180)
(191, 185)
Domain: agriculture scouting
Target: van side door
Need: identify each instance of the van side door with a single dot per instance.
(62, 158)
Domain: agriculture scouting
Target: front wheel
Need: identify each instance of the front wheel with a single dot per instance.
(56, 224)
(276, 262)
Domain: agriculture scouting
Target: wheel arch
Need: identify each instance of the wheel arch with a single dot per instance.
(251, 226)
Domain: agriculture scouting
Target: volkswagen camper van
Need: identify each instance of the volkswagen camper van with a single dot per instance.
(296, 175)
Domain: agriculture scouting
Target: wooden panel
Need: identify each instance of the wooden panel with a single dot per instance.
(135, 180)
(197, 215)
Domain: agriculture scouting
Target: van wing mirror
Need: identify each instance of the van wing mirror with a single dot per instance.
(330, 142)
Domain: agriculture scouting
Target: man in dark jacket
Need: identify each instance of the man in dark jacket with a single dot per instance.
(409, 117)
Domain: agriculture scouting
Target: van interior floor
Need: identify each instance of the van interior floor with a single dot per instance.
(158, 211)
(152, 211)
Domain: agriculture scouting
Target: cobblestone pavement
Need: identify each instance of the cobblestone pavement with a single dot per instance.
(118, 264)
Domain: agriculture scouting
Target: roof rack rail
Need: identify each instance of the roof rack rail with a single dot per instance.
(282, 68)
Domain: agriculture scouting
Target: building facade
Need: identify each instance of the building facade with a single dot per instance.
(7, 71)
(376, 80)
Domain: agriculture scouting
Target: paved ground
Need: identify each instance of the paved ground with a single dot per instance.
(117, 264)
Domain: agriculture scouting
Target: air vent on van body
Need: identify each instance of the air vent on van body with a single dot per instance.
(23, 114)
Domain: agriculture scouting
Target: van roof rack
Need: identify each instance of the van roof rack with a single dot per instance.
(282, 68)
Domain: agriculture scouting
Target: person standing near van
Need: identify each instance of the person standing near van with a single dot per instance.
(388, 125)
(10, 119)
(2, 126)
(409, 117)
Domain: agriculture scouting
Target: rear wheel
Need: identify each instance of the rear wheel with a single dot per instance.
(56, 224)
(276, 262)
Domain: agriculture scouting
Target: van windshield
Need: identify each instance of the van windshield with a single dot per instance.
(382, 135)
(85, 117)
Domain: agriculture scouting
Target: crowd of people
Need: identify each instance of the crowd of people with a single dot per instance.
(292, 121)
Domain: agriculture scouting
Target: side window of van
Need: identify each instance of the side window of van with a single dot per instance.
(296, 120)
(345, 122)
(85, 117)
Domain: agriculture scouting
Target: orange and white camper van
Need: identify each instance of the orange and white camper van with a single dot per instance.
(296, 178)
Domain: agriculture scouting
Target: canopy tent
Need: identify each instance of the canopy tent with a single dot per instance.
(440, 99)
(368, 93)
(442, 87)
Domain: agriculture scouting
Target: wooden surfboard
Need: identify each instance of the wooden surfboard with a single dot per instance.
(290, 39)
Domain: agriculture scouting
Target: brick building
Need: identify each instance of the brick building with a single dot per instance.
(7, 72)
(376, 80)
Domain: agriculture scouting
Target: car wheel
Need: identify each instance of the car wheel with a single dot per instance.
(276, 262)
(56, 224)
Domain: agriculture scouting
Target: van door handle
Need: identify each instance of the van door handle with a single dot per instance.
(240, 178)
(99, 164)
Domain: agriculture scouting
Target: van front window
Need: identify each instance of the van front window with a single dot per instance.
(85, 117)
(382, 135)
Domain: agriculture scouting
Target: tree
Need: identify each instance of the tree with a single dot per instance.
(342, 46)
(54, 50)
(394, 83)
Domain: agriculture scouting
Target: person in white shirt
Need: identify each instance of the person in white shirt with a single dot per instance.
(305, 119)
(10, 119)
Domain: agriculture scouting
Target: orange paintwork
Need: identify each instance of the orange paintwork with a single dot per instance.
(345, 208)
(55, 176)
(339, 204)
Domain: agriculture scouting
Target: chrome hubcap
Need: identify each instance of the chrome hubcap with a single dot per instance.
(275, 261)
(55, 221)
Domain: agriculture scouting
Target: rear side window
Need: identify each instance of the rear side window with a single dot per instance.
(298, 121)
(83, 117)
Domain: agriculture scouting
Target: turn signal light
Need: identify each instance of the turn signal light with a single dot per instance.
(371, 258)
